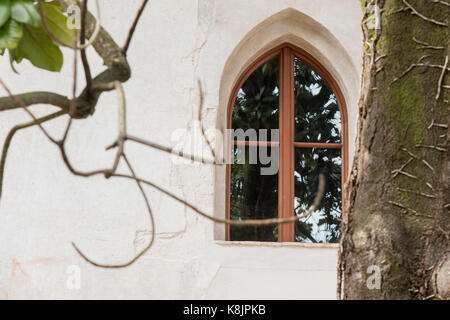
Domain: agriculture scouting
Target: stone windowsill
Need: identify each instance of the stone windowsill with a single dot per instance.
(276, 244)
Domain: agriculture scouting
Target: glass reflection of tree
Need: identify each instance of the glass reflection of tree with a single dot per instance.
(255, 196)
(323, 225)
(256, 104)
(317, 116)
(317, 119)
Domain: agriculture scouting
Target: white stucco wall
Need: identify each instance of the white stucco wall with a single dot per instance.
(44, 208)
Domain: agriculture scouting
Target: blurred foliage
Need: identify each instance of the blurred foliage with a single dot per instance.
(23, 35)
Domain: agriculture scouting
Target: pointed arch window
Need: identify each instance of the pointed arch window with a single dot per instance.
(289, 91)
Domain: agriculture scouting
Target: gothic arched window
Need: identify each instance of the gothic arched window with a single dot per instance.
(289, 125)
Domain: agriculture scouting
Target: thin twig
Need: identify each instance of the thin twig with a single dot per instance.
(430, 147)
(410, 68)
(11, 134)
(87, 70)
(414, 11)
(73, 103)
(122, 127)
(410, 153)
(398, 171)
(446, 234)
(23, 106)
(418, 193)
(380, 57)
(408, 209)
(441, 78)
(133, 26)
(428, 165)
(169, 150)
(200, 120)
(152, 222)
(441, 2)
(240, 223)
(426, 45)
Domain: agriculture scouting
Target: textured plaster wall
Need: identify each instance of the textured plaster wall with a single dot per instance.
(44, 208)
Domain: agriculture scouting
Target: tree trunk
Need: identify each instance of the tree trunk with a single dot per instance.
(395, 231)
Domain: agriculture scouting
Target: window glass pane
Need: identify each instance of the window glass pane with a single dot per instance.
(256, 104)
(254, 193)
(322, 225)
(317, 116)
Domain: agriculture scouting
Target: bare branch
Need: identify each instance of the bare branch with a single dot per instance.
(441, 2)
(380, 57)
(426, 45)
(430, 147)
(122, 128)
(415, 12)
(445, 233)
(239, 223)
(11, 134)
(87, 69)
(441, 78)
(134, 25)
(410, 68)
(118, 71)
(74, 98)
(23, 106)
(408, 209)
(398, 171)
(167, 149)
(410, 153)
(420, 64)
(32, 98)
(418, 193)
(428, 165)
(438, 125)
(200, 120)
(146, 248)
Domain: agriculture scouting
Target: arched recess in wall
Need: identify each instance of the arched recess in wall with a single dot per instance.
(293, 28)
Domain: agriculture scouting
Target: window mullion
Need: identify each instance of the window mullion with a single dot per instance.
(286, 177)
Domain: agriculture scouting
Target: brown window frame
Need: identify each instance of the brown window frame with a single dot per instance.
(286, 143)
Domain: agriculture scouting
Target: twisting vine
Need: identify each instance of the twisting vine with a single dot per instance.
(118, 71)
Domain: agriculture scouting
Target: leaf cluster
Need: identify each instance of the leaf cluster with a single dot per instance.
(23, 35)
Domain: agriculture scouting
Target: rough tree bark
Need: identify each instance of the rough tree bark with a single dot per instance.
(398, 213)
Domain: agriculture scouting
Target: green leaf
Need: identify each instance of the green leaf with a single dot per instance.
(14, 56)
(25, 12)
(10, 34)
(37, 47)
(57, 23)
(5, 11)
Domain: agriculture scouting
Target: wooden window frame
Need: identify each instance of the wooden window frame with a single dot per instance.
(287, 144)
